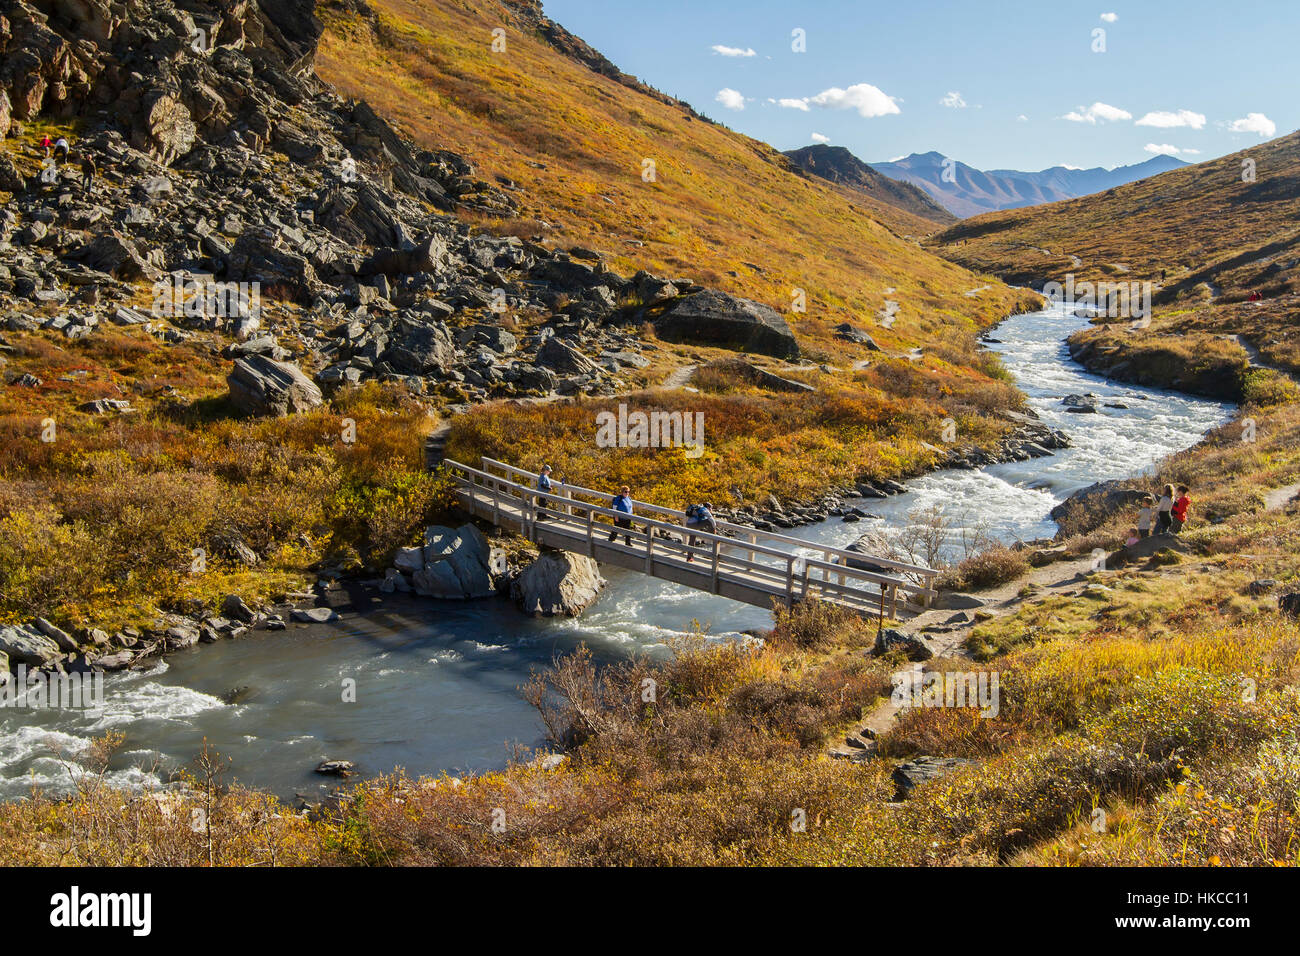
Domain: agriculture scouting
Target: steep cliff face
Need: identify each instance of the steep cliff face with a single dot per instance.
(161, 71)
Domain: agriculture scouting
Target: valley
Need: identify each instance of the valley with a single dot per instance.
(300, 252)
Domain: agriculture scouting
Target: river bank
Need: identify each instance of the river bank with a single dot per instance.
(436, 680)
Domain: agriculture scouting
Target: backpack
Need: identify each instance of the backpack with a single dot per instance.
(694, 511)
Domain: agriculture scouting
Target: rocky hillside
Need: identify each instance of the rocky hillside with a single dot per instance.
(837, 165)
(599, 161)
(234, 163)
(239, 303)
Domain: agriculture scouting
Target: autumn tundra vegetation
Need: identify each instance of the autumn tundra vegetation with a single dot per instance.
(1160, 692)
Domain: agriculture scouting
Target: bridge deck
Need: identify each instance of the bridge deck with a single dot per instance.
(740, 563)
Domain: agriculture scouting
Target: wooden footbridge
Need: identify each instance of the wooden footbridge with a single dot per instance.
(737, 562)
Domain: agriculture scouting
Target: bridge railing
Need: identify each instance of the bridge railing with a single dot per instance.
(766, 564)
(923, 575)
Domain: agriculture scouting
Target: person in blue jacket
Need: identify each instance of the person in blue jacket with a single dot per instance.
(622, 503)
(544, 484)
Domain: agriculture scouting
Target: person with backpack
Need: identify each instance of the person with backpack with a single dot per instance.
(1179, 510)
(61, 148)
(47, 144)
(1163, 513)
(701, 518)
(622, 503)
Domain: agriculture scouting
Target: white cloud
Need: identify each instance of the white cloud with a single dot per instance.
(868, 100)
(953, 101)
(732, 50)
(731, 99)
(1164, 149)
(1098, 113)
(1254, 123)
(1110, 17)
(1162, 119)
(1022, 118)
(820, 138)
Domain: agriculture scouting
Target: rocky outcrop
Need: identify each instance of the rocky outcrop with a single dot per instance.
(908, 776)
(453, 564)
(748, 372)
(726, 321)
(25, 644)
(557, 583)
(261, 386)
(913, 645)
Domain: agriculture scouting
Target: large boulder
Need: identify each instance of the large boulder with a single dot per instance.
(26, 645)
(457, 564)
(913, 645)
(425, 348)
(429, 256)
(557, 583)
(262, 386)
(726, 321)
(117, 255)
(563, 357)
(164, 128)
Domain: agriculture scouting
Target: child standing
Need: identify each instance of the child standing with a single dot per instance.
(1164, 516)
(1179, 510)
(1146, 515)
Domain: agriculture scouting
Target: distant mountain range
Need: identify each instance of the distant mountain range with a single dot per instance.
(975, 191)
(838, 165)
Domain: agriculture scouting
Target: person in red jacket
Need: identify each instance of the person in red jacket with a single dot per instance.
(1179, 511)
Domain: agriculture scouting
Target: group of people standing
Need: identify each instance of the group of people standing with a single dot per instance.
(699, 517)
(58, 150)
(1164, 515)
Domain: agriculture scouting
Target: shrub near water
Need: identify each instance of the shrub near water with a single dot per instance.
(102, 526)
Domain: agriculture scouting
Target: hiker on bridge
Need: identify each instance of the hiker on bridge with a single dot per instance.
(701, 517)
(545, 485)
(622, 503)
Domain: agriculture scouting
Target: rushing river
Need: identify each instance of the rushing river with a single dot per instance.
(436, 682)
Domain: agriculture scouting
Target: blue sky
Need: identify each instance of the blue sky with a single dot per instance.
(874, 77)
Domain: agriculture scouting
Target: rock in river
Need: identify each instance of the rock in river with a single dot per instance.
(557, 583)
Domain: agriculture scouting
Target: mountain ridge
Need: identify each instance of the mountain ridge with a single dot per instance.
(838, 165)
(976, 191)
